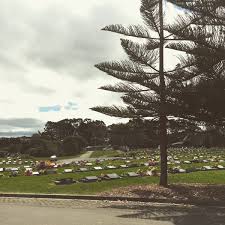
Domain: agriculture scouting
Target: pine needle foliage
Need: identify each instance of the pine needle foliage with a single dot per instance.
(149, 90)
(202, 95)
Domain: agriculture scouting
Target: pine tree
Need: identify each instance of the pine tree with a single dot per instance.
(146, 85)
(201, 98)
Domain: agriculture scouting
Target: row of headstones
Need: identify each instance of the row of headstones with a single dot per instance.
(95, 168)
(112, 176)
(189, 170)
(15, 162)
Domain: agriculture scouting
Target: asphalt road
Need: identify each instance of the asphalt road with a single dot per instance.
(73, 212)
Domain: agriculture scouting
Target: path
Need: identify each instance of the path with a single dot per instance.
(85, 156)
(73, 212)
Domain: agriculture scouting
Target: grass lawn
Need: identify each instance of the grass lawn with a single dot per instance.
(45, 184)
(106, 153)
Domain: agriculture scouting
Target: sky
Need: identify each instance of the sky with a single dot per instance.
(48, 49)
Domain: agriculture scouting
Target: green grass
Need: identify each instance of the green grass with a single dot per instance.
(45, 184)
(203, 177)
(106, 153)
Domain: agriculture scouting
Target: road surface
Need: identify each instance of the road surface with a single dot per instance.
(21, 211)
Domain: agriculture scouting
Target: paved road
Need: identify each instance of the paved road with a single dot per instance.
(73, 212)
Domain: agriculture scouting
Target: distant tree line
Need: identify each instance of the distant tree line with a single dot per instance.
(70, 136)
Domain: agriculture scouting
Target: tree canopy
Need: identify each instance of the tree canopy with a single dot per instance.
(148, 88)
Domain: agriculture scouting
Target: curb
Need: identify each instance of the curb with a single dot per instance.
(112, 199)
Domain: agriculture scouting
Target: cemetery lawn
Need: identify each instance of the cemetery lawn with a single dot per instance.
(45, 184)
(106, 154)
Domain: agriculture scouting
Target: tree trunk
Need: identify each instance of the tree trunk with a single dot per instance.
(162, 116)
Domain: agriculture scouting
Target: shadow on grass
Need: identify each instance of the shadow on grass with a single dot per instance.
(175, 214)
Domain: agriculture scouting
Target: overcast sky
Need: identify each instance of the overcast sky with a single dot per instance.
(48, 49)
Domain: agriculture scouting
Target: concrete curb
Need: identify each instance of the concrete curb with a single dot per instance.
(112, 198)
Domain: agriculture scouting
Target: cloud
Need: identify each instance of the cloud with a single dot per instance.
(55, 108)
(16, 133)
(71, 106)
(72, 44)
(15, 127)
(21, 123)
(48, 49)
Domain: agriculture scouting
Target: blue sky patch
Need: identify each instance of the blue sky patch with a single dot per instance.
(56, 108)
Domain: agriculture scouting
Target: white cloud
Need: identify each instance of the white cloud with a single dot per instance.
(48, 49)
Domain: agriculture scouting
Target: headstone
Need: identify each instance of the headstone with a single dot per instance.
(83, 169)
(90, 179)
(98, 168)
(207, 168)
(133, 174)
(65, 181)
(110, 167)
(123, 166)
(219, 167)
(35, 173)
(182, 171)
(112, 176)
(68, 171)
